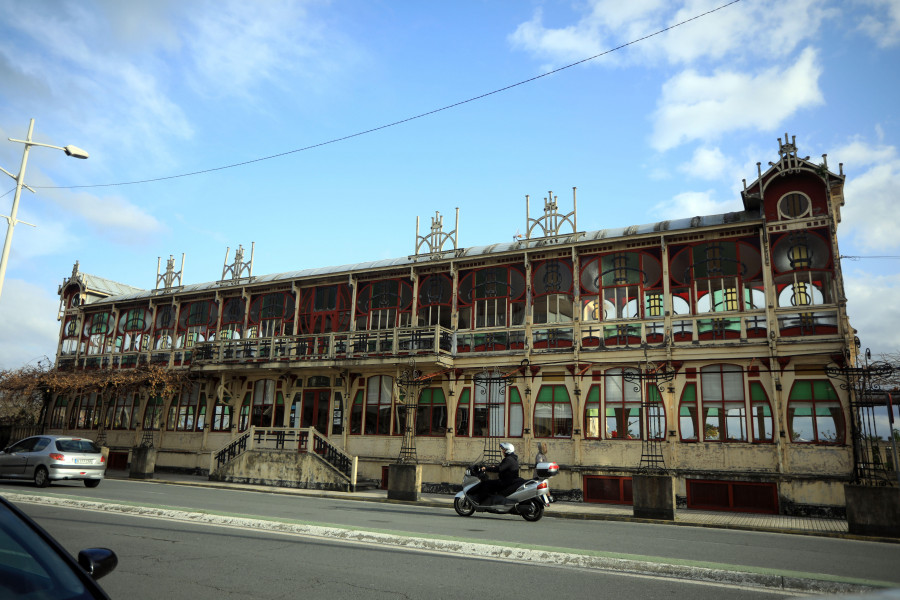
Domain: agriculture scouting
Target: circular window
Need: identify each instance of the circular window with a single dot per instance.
(794, 206)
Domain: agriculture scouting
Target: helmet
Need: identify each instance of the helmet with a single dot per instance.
(507, 448)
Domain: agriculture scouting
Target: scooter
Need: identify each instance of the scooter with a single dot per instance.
(528, 500)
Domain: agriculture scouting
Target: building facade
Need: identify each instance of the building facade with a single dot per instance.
(697, 345)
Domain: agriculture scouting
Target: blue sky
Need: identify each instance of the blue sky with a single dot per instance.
(663, 128)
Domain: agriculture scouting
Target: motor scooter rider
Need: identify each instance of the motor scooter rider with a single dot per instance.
(508, 473)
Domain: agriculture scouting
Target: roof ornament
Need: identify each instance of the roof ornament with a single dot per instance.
(238, 269)
(169, 278)
(788, 162)
(435, 240)
(549, 225)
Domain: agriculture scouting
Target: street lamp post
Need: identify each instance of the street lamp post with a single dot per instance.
(20, 183)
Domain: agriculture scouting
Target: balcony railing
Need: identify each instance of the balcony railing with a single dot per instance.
(440, 341)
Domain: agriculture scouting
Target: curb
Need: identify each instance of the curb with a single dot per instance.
(674, 568)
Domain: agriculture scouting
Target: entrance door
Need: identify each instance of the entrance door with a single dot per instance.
(315, 411)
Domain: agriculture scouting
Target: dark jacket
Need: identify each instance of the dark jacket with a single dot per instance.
(508, 469)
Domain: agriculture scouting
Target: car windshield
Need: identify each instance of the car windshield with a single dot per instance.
(82, 446)
(30, 568)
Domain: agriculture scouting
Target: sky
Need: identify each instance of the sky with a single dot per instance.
(651, 128)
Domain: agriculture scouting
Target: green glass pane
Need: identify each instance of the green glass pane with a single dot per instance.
(437, 396)
(359, 398)
(690, 393)
(823, 391)
(464, 396)
(514, 396)
(546, 394)
(802, 390)
(561, 394)
(757, 393)
(653, 394)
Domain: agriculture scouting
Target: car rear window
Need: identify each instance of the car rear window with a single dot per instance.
(83, 446)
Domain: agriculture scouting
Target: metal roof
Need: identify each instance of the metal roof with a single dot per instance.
(130, 293)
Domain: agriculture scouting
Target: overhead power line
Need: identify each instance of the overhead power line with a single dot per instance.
(401, 121)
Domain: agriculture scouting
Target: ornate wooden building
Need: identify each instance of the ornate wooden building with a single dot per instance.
(696, 345)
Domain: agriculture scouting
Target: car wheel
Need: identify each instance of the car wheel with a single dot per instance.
(91, 482)
(41, 477)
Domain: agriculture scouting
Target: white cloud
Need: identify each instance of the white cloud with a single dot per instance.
(699, 107)
(869, 215)
(710, 164)
(27, 315)
(777, 30)
(689, 204)
(884, 25)
(872, 312)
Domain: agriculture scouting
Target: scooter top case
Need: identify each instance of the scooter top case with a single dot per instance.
(546, 469)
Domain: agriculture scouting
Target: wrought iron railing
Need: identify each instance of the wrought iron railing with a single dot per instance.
(234, 449)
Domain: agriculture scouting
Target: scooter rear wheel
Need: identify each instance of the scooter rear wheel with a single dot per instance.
(463, 507)
(534, 512)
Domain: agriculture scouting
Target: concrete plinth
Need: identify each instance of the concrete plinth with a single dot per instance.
(873, 510)
(143, 462)
(653, 497)
(404, 482)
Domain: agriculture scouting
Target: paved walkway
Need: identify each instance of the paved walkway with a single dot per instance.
(571, 510)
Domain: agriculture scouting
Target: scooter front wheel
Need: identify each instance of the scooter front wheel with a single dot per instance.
(533, 511)
(463, 507)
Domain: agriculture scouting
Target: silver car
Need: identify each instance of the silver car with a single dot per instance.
(46, 458)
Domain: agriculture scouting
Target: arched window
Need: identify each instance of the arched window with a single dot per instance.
(553, 412)
(325, 309)
(724, 411)
(624, 285)
(431, 415)
(267, 408)
(133, 330)
(153, 413)
(489, 409)
(687, 413)
(552, 289)
(516, 413)
(232, 319)
(222, 415)
(58, 416)
(95, 331)
(164, 328)
(197, 323)
(125, 415)
(804, 279)
(70, 336)
(85, 412)
(815, 415)
(462, 413)
(271, 315)
(720, 276)
(435, 300)
(623, 406)
(592, 420)
(384, 305)
(656, 413)
(492, 297)
(184, 409)
(760, 413)
(379, 392)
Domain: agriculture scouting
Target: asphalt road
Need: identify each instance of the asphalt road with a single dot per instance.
(818, 555)
(177, 560)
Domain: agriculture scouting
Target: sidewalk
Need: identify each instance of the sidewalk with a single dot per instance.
(570, 510)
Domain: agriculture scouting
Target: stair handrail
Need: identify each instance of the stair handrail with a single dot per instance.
(337, 458)
(233, 449)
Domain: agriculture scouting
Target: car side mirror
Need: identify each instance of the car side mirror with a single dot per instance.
(98, 561)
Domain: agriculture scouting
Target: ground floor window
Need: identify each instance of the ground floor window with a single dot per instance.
(125, 413)
(371, 410)
(86, 412)
(431, 414)
(153, 413)
(815, 415)
(553, 412)
(462, 413)
(58, 416)
(222, 415)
